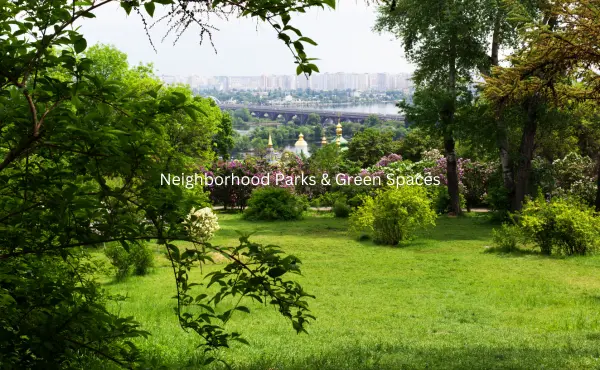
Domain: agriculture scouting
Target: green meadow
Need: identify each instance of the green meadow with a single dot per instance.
(443, 301)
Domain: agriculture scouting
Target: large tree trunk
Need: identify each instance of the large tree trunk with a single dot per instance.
(452, 175)
(598, 186)
(525, 155)
(449, 145)
(505, 159)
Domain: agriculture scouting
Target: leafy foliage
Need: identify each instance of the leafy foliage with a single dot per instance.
(367, 147)
(561, 226)
(341, 208)
(84, 141)
(272, 203)
(508, 238)
(395, 214)
(558, 226)
(54, 313)
(137, 256)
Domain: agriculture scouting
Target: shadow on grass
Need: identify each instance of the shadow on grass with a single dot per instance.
(382, 357)
(512, 252)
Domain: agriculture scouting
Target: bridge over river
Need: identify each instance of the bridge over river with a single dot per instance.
(289, 113)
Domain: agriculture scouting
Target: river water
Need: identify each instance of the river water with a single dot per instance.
(375, 108)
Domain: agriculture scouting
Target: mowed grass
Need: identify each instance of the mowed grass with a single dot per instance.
(439, 302)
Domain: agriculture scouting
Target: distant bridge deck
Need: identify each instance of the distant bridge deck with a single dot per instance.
(289, 113)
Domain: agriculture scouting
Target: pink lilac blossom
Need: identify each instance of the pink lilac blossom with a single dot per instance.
(386, 160)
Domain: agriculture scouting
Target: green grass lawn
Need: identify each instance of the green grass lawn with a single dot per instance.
(439, 302)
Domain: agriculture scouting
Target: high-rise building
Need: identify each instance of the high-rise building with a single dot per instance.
(320, 81)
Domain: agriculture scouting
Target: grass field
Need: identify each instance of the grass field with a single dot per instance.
(440, 302)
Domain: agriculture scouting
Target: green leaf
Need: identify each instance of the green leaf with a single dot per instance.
(307, 40)
(284, 37)
(313, 67)
(80, 44)
(297, 31)
(276, 272)
(125, 245)
(243, 309)
(87, 14)
(190, 112)
(330, 3)
(149, 8)
(127, 6)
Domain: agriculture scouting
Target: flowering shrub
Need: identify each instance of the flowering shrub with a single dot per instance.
(386, 160)
(232, 194)
(570, 177)
(432, 155)
(473, 178)
(476, 178)
(201, 224)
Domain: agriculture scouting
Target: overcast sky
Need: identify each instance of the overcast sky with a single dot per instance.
(345, 37)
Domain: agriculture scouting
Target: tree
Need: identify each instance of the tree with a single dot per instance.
(82, 154)
(313, 119)
(367, 147)
(223, 140)
(372, 120)
(327, 159)
(241, 143)
(243, 114)
(415, 143)
(447, 41)
(558, 62)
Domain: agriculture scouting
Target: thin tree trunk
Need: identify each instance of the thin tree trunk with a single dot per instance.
(525, 155)
(449, 144)
(496, 36)
(502, 130)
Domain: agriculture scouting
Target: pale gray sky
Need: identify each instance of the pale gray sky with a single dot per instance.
(346, 44)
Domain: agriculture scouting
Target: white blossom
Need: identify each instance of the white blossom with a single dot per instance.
(201, 224)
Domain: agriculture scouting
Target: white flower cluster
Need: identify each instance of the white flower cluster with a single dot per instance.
(201, 224)
(432, 155)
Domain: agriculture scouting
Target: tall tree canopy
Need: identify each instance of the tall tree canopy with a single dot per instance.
(448, 41)
(558, 62)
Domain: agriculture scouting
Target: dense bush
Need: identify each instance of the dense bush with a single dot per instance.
(441, 199)
(394, 214)
(271, 203)
(507, 238)
(573, 176)
(361, 220)
(139, 258)
(498, 200)
(559, 226)
(341, 208)
(47, 306)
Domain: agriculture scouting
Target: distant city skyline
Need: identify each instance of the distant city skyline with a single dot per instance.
(320, 81)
